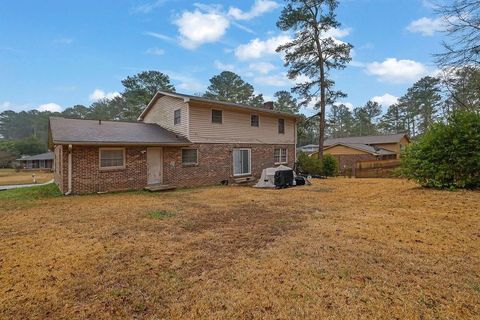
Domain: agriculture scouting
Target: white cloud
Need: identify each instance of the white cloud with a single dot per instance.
(397, 71)
(159, 36)
(349, 105)
(223, 66)
(155, 51)
(52, 107)
(386, 100)
(259, 7)
(257, 48)
(262, 67)
(279, 80)
(427, 26)
(187, 82)
(5, 105)
(197, 28)
(99, 94)
(149, 6)
(336, 33)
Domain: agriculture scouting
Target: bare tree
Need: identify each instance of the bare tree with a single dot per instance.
(462, 18)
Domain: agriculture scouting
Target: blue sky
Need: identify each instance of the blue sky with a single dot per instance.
(55, 54)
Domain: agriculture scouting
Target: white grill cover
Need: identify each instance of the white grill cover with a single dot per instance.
(267, 180)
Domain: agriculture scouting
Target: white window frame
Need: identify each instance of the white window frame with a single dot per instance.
(113, 167)
(188, 163)
(249, 162)
(211, 116)
(179, 117)
(258, 118)
(280, 156)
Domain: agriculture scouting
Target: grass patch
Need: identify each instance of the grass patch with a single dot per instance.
(161, 214)
(31, 193)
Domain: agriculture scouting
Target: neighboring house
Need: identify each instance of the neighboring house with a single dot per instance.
(349, 151)
(309, 148)
(179, 140)
(38, 161)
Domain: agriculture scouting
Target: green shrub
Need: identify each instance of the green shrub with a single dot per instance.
(313, 166)
(448, 155)
(330, 166)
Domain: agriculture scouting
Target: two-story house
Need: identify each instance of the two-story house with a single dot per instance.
(179, 140)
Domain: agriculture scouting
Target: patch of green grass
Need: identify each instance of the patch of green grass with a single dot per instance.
(31, 193)
(476, 287)
(161, 214)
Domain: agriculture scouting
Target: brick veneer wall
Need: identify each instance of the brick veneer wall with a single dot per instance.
(87, 176)
(214, 165)
(348, 161)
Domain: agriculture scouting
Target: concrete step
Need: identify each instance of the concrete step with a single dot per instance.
(159, 187)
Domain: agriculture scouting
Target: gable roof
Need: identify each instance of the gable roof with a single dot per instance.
(188, 98)
(363, 147)
(76, 131)
(42, 156)
(391, 138)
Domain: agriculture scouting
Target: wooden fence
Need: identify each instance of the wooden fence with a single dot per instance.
(376, 168)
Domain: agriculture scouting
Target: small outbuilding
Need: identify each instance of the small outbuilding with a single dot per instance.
(43, 161)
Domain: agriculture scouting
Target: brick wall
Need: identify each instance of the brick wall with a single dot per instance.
(214, 165)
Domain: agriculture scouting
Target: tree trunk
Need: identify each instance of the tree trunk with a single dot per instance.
(321, 136)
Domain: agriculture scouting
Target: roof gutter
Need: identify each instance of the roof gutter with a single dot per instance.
(96, 143)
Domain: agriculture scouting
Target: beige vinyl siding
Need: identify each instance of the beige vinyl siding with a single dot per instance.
(236, 127)
(162, 113)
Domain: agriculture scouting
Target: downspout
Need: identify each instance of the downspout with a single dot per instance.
(69, 170)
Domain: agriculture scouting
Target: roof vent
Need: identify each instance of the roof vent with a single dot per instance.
(268, 105)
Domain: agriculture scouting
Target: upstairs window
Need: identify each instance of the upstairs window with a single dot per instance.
(217, 116)
(280, 155)
(177, 117)
(112, 158)
(281, 126)
(254, 121)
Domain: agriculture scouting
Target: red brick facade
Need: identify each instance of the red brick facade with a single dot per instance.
(214, 165)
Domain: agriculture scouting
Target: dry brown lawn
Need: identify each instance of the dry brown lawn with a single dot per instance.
(339, 249)
(11, 177)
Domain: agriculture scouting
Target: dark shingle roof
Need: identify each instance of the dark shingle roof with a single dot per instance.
(42, 156)
(76, 131)
(159, 94)
(392, 138)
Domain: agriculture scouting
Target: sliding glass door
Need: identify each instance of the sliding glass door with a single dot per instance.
(242, 162)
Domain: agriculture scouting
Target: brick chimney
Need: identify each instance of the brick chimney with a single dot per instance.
(268, 105)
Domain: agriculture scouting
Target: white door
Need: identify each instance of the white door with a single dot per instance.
(154, 165)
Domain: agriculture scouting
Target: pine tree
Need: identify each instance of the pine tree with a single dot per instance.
(392, 121)
(312, 54)
(229, 86)
(340, 121)
(285, 102)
